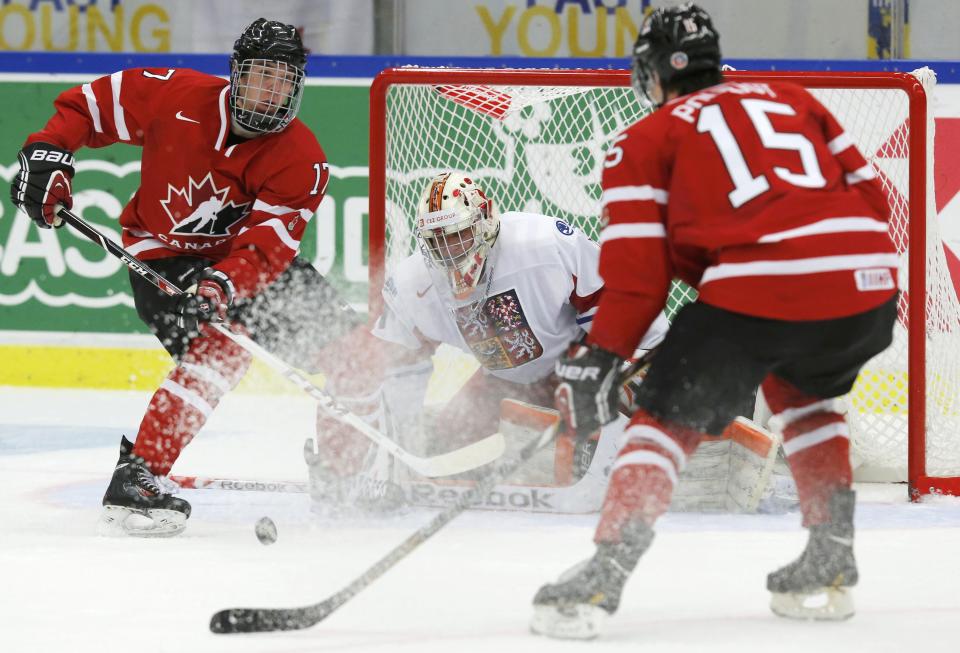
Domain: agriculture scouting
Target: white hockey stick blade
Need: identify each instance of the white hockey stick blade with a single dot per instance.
(477, 454)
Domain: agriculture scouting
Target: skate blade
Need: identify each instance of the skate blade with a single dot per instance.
(824, 604)
(117, 521)
(580, 621)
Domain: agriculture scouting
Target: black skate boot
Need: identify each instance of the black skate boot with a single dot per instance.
(576, 606)
(135, 505)
(817, 584)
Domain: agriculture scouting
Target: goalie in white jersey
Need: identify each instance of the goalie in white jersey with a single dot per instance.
(512, 290)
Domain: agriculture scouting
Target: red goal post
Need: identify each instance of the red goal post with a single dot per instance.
(531, 138)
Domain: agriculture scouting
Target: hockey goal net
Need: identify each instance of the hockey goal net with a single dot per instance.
(534, 139)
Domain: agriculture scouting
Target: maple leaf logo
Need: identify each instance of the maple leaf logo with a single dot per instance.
(202, 209)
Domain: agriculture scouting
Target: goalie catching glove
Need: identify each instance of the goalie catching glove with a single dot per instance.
(44, 181)
(588, 392)
(207, 301)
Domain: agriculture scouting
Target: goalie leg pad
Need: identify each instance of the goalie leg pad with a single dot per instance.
(754, 484)
(334, 494)
(522, 422)
(569, 459)
(729, 473)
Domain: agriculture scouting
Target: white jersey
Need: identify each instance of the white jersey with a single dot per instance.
(542, 294)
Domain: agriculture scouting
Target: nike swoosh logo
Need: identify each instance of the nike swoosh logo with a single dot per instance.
(180, 116)
(421, 293)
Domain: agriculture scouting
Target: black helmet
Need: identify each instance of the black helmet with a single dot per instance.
(675, 43)
(266, 77)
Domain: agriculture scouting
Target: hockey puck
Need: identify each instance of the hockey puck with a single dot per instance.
(266, 531)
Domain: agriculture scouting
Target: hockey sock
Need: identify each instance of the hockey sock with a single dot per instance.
(816, 442)
(212, 366)
(644, 475)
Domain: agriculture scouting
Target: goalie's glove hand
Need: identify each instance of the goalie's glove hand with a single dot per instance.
(205, 302)
(44, 181)
(587, 394)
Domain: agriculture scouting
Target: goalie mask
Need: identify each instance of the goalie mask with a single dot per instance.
(674, 43)
(456, 227)
(266, 76)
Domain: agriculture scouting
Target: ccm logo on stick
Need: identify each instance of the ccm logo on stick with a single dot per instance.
(576, 373)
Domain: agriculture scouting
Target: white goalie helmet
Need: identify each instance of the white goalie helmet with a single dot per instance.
(456, 227)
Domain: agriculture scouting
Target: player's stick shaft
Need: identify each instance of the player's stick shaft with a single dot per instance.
(454, 462)
(256, 620)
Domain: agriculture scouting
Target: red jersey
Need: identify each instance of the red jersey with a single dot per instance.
(242, 203)
(753, 194)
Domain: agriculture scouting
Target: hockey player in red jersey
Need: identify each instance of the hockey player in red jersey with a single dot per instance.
(754, 194)
(229, 180)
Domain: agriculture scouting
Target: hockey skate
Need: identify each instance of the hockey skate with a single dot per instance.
(332, 493)
(135, 505)
(817, 584)
(578, 604)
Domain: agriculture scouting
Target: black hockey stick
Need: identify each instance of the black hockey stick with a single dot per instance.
(460, 460)
(259, 620)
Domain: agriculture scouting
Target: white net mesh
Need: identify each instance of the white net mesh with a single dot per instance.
(539, 149)
(877, 120)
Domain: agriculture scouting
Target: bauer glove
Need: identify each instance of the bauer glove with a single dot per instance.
(44, 181)
(205, 302)
(587, 394)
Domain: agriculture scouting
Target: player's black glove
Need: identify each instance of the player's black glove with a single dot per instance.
(630, 390)
(587, 395)
(207, 301)
(44, 180)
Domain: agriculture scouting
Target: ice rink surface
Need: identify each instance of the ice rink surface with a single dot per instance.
(700, 588)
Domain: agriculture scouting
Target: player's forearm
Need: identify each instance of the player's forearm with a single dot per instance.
(264, 248)
(622, 319)
(251, 270)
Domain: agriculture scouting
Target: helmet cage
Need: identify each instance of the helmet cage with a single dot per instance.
(642, 77)
(455, 239)
(455, 244)
(265, 94)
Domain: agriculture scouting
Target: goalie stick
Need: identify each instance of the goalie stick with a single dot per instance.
(259, 620)
(460, 460)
